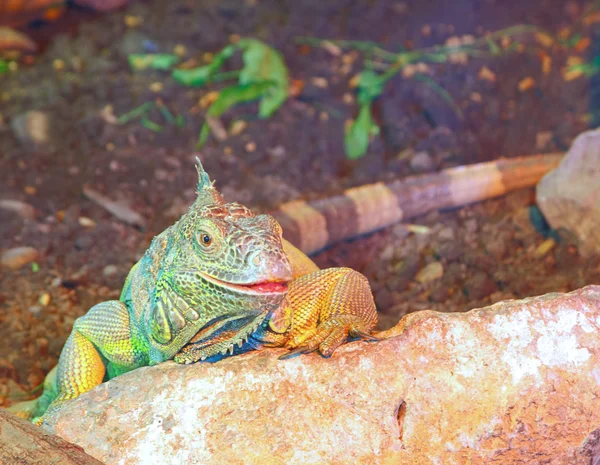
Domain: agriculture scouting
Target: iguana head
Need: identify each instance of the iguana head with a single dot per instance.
(225, 273)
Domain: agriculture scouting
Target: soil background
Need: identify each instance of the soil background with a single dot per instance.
(486, 252)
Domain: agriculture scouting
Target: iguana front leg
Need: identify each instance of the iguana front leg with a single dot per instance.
(100, 338)
(325, 307)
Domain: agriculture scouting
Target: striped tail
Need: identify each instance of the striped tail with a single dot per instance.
(312, 226)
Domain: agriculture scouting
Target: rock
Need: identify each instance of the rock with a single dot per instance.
(422, 162)
(32, 127)
(11, 40)
(18, 257)
(569, 196)
(517, 382)
(23, 443)
(430, 272)
(109, 270)
(24, 210)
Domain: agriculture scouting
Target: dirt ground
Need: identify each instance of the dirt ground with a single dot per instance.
(488, 252)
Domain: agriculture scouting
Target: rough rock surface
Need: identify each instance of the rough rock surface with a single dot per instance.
(22, 443)
(569, 196)
(517, 382)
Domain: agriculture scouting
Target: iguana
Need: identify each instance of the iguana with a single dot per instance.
(223, 280)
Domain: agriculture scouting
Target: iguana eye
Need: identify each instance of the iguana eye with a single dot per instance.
(205, 239)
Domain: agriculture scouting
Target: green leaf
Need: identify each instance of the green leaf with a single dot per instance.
(138, 111)
(199, 76)
(264, 64)
(494, 47)
(370, 86)
(151, 125)
(3, 66)
(193, 77)
(273, 98)
(162, 61)
(229, 97)
(356, 139)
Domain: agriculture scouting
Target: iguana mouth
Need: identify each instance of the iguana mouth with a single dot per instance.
(257, 288)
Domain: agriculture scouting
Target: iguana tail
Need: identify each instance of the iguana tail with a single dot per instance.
(312, 226)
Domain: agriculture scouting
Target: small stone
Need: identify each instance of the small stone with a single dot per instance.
(387, 253)
(237, 127)
(422, 162)
(86, 222)
(18, 257)
(109, 270)
(250, 147)
(496, 247)
(32, 127)
(44, 299)
(430, 273)
(447, 234)
(545, 247)
(543, 139)
(24, 210)
(58, 64)
(133, 21)
(278, 151)
(526, 84)
(179, 50)
(35, 310)
(156, 87)
(486, 74)
(84, 242)
(319, 82)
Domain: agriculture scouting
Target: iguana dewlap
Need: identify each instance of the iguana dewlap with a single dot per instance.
(220, 280)
(223, 280)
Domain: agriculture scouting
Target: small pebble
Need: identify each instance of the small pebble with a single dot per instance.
(429, 273)
(18, 257)
(156, 87)
(545, 247)
(32, 127)
(86, 222)
(319, 82)
(24, 210)
(422, 162)
(237, 127)
(44, 299)
(179, 50)
(109, 270)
